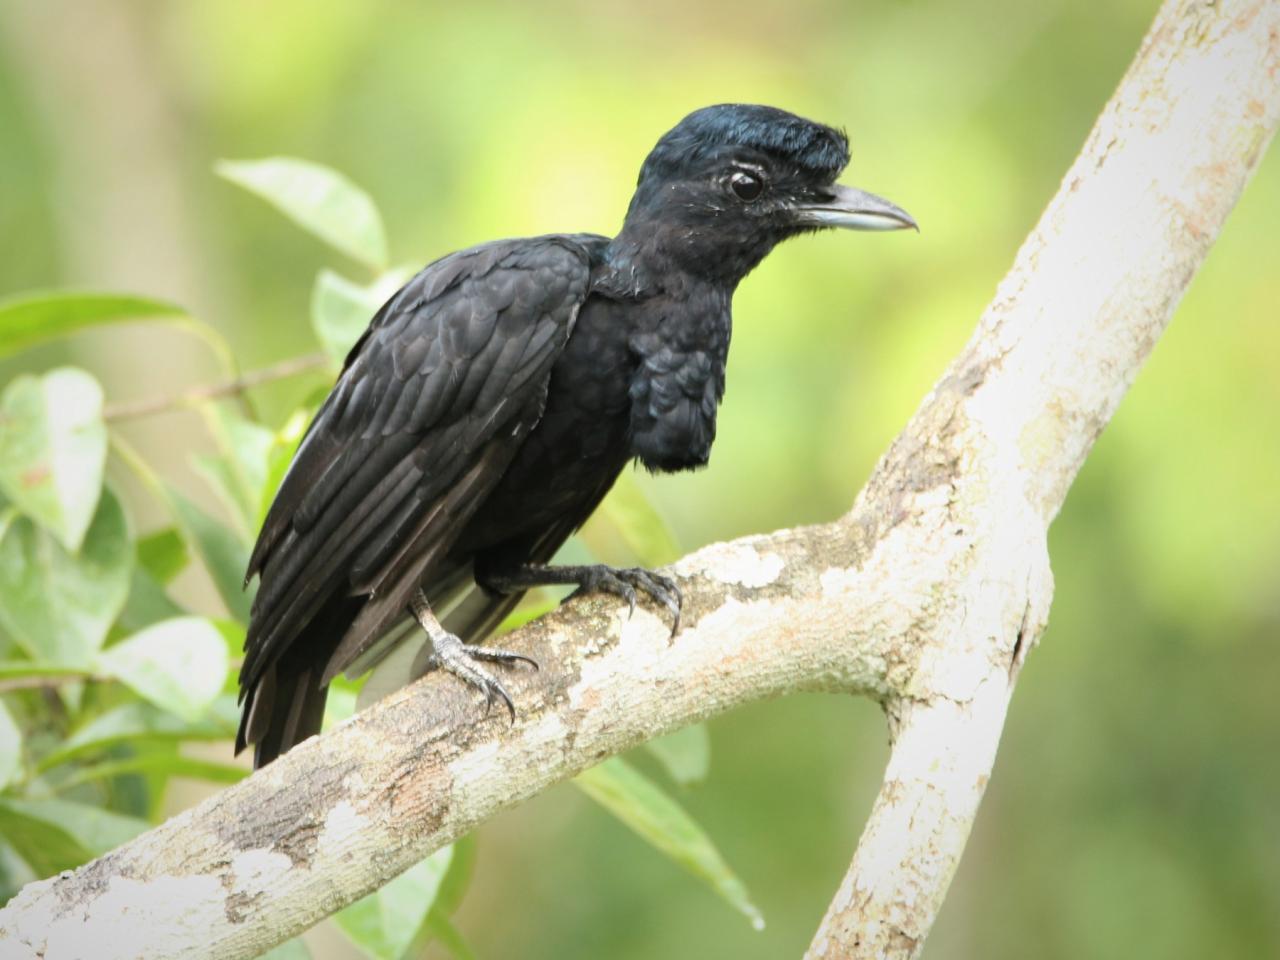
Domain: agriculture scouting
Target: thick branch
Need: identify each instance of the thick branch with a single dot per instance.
(926, 596)
(1091, 291)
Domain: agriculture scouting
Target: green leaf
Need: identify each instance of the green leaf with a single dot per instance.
(15, 873)
(250, 445)
(53, 448)
(440, 928)
(341, 309)
(218, 473)
(163, 554)
(180, 665)
(55, 835)
(10, 747)
(17, 669)
(685, 754)
(457, 879)
(239, 475)
(44, 846)
(645, 808)
(224, 554)
(436, 925)
(629, 527)
(340, 312)
(59, 606)
(139, 723)
(146, 604)
(339, 706)
(167, 764)
(8, 514)
(320, 200)
(283, 446)
(232, 635)
(36, 317)
(293, 949)
(383, 924)
(534, 605)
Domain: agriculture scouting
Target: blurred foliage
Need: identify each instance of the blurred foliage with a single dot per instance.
(76, 583)
(1133, 811)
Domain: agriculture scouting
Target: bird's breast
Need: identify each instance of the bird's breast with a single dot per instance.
(678, 382)
(635, 380)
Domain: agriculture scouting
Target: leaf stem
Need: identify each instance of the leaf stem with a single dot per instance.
(141, 469)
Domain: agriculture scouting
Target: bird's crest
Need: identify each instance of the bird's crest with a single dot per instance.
(815, 148)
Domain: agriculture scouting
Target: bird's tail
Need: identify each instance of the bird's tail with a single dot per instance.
(286, 704)
(283, 710)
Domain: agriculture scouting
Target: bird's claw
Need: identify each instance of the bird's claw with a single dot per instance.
(453, 655)
(494, 687)
(625, 581)
(498, 655)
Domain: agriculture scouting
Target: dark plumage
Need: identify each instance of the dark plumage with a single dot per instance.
(493, 401)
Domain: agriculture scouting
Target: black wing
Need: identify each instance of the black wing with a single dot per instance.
(430, 408)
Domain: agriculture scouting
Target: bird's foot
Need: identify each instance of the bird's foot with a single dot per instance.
(463, 661)
(624, 582)
(453, 655)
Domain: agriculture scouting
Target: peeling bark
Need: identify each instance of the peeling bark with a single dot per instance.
(927, 596)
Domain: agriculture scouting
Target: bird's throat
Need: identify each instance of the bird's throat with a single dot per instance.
(648, 259)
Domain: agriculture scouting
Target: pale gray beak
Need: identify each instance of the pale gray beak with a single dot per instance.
(853, 209)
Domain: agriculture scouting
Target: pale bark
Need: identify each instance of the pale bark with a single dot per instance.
(1091, 291)
(926, 596)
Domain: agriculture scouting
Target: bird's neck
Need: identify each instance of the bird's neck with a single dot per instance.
(647, 259)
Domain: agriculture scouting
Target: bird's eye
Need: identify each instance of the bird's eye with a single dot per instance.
(746, 186)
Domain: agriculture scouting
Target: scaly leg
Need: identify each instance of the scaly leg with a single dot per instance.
(460, 659)
(620, 581)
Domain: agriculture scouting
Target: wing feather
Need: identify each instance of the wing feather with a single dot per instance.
(431, 406)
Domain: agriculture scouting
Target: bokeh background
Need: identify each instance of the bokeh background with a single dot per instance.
(1135, 808)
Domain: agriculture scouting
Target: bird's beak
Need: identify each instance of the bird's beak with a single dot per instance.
(853, 209)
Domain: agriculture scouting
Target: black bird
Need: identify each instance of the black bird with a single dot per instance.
(494, 399)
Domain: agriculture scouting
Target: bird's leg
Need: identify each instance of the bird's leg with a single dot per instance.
(460, 659)
(620, 581)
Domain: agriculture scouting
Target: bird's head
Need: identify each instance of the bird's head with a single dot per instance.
(729, 182)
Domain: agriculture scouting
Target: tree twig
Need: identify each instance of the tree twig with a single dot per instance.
(927, 596)
(50, 680)
(132, 409)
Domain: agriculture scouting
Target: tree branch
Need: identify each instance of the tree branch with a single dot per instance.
(36, 681)
(133, 409)
(926, 596)
(1090, 292)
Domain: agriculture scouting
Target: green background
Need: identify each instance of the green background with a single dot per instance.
(1135, 807)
